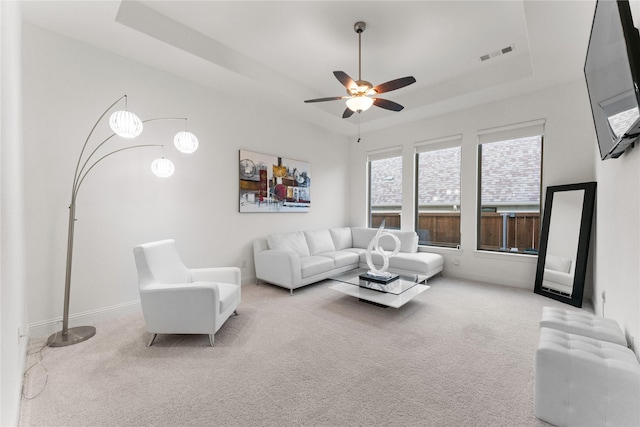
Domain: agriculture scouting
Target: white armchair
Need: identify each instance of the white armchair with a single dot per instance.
(180, 300)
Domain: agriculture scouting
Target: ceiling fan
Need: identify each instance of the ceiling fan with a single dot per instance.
(361, 93)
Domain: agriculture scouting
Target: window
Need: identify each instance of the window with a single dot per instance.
(621, 111)
(385, 189)
(438, 193)
(510, 177)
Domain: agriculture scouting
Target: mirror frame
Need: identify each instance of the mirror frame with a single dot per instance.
(588, 204)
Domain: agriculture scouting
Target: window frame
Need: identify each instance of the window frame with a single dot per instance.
(387, 153)
(501, 134)
(453, 141)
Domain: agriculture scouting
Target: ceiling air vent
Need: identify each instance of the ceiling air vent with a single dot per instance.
(500, 52)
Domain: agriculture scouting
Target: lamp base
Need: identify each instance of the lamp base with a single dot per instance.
(73, 336)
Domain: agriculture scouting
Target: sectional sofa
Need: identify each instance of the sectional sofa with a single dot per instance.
(299, 258)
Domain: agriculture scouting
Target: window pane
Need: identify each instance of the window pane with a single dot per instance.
(438, 195)
(385, 192)
(510, 178)
(623, 121)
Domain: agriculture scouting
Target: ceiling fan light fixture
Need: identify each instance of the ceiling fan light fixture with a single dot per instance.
(363, 87)
(361, 93)
(359, 103)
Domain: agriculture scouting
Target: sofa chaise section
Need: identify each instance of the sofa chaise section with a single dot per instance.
(296, 259)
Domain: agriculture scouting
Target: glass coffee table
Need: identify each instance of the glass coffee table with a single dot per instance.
(394, 294)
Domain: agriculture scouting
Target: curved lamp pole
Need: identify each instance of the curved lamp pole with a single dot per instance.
(185, 141)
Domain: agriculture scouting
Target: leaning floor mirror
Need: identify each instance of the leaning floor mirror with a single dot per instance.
(564, 242)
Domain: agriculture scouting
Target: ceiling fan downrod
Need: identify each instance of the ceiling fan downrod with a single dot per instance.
(359, 27)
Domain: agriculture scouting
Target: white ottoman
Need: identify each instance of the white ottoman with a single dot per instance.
(580, 381)
(584, 324)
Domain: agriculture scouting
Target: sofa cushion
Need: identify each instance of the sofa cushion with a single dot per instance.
(420, 262)
(362, 236)
(312, 265)
(295, 242)
(342, 258)
(408, 239)
(319, 241)
(341, 238)
(557, 263)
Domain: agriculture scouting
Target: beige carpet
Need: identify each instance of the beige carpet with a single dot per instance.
(460, 354)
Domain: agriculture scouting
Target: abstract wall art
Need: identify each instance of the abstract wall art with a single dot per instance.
(273, 184)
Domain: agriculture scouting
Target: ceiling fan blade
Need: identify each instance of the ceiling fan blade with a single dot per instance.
(332, 98)
(386, 104)
(347, 113)
(394, 84)
(345, 79)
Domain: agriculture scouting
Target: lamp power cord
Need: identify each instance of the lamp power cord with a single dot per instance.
(38, 363)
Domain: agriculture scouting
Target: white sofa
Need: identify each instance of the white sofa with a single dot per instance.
(296, 259)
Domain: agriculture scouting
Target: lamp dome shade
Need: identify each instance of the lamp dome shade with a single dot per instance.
(162, 167)
(125, 124)
(359, 103)
(186, 142)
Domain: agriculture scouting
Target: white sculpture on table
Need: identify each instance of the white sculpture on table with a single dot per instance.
(375, 245)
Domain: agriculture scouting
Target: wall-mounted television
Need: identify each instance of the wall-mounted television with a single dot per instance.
(611, 71)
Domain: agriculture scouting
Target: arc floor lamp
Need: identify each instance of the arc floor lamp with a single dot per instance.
(126, 125)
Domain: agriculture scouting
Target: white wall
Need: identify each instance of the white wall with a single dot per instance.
(12, 228)
(617, 254)
(67, 85)
(122, 204)
(568, 156)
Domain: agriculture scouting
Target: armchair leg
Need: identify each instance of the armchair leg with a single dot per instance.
(153, 338)
(235, 312)
(211, 339)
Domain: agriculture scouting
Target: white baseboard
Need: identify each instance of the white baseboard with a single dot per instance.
(47, 327)
(249, 280)
(490, 279)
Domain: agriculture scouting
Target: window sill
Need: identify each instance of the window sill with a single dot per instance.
(440, 250)
(511, 256)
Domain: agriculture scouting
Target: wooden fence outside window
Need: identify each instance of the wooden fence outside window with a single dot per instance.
(443, 229)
